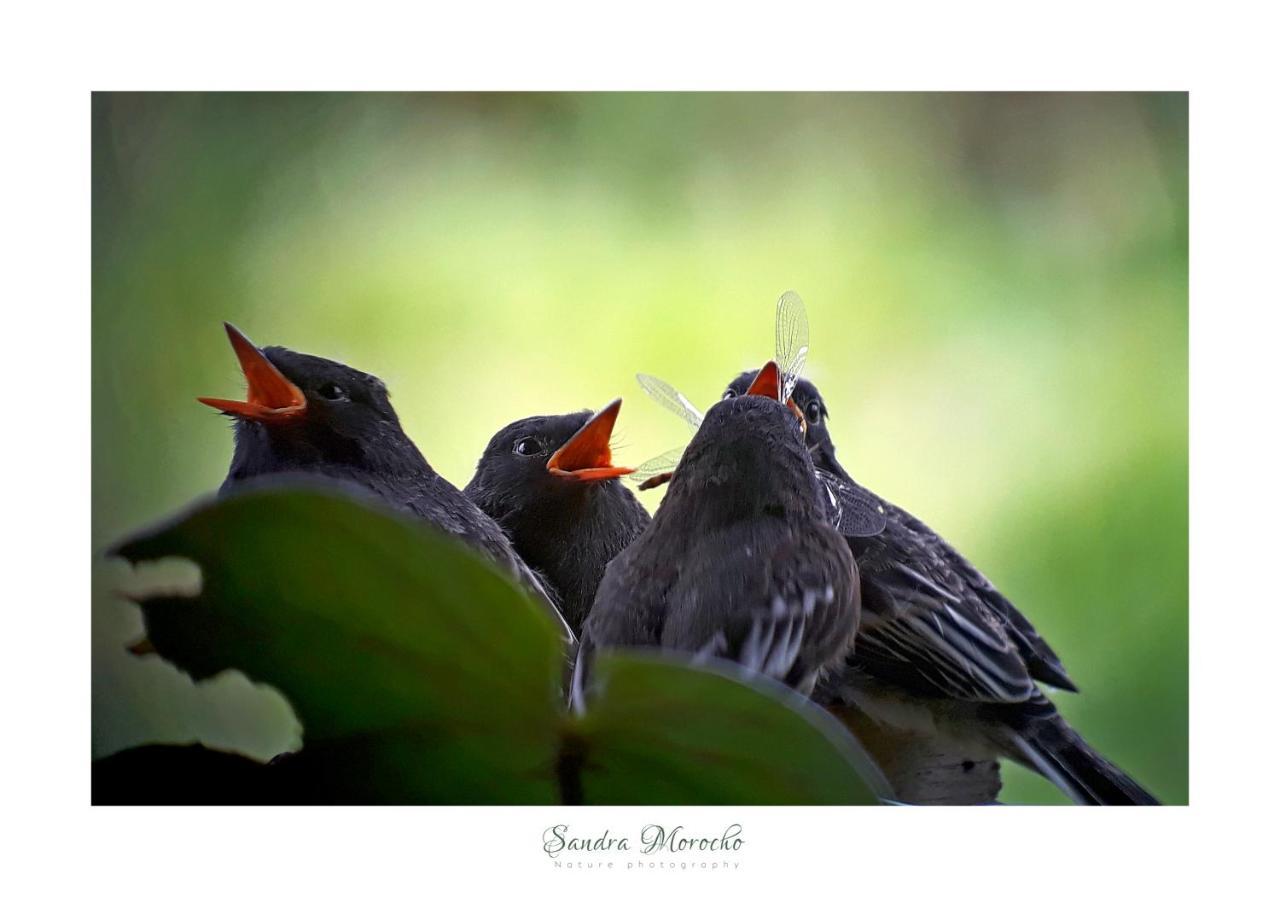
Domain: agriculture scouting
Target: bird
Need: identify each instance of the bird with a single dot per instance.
(305, 414)
(551, 483)
(740, 562)
(940, 649)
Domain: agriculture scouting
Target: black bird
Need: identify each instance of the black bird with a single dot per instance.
(310, 415)
(551, 483)
(739, 561)
(940, 649)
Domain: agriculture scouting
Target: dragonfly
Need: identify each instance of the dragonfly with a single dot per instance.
(854, 511)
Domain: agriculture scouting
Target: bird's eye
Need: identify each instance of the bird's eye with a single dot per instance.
(528, 446)
(728, 394)
(332, 391)
(814, 412)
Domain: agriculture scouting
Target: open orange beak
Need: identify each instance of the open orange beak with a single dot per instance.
(585, 457)
(272, 396)
(769, 383)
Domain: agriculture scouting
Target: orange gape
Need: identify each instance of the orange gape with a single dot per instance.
(586, 456)
(769, 383)
(272, 396)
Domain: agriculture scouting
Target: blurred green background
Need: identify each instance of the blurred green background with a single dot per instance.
(996, 284)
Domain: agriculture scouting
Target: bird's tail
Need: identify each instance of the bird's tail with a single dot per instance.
(1057, 752)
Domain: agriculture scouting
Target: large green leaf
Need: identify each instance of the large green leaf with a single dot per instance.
(659, 732)
(421, 674)
(388, 639)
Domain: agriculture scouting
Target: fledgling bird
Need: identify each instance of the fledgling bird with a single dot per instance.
(940, 649)
(309, 415)
(739, 561)
(550, 481)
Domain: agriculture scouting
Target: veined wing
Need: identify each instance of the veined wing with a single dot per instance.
(791, 340)
(672, 399)
(657, 470)
(852, 509)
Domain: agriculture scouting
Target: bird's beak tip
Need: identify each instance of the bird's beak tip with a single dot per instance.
(271, 395)
(586, 456)
(767, 383)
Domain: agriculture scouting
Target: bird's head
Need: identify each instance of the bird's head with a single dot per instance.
(304, 409)
(808, 402)
(748, 458)
(750, 443)
(549, 455)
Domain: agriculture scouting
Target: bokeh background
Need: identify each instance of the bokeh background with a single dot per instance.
(996, 284)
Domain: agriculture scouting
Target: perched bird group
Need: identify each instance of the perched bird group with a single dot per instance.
(764, 551)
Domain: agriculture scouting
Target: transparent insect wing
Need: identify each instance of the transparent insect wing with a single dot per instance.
(791, 340)
(664, 463)
(672, 399)
(852, 509)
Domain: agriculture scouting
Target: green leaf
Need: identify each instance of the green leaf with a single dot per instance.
(421, 674)
(389, 640)
(660, 732)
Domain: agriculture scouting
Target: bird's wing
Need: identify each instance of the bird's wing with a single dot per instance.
(627, 608)
(787, 612)
(581, 673)
(1041, 660)
(853, 510)
(935, 641)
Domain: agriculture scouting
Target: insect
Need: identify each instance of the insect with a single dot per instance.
(791, 349)
(854, 511)
(658, 470)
